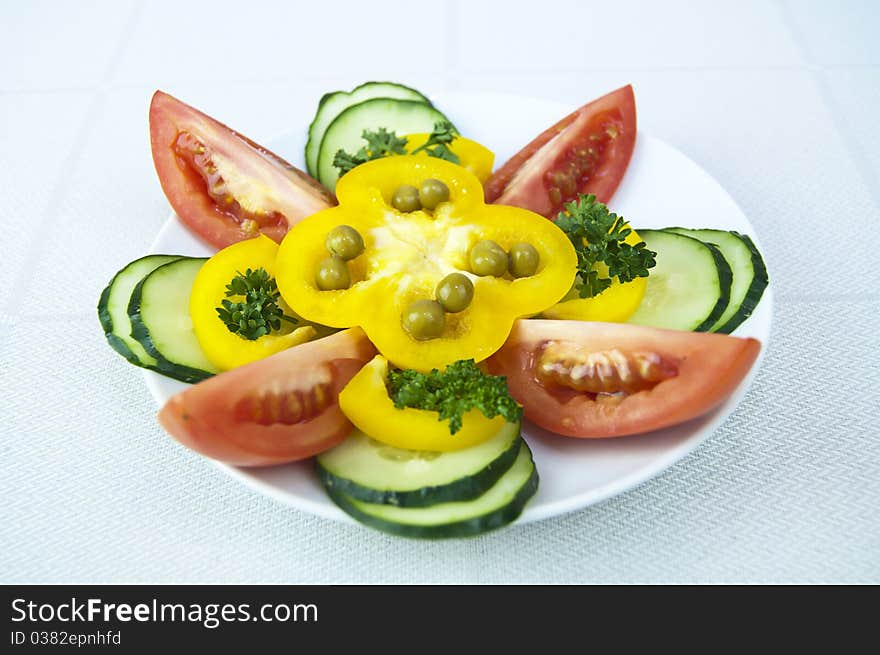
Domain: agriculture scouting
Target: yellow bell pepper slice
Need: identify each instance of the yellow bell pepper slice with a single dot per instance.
(225, 349)
(365, 402)
(475, 157)
(614, 305)
(407, 254)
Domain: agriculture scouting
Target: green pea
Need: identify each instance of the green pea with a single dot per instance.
(424, 319)
(455, 292)
(345, 242)
(332, 274)
(488, 258)
(432, 192)
(523, 260)
(406, 198)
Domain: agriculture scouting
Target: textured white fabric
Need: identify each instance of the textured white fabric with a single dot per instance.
(777, 100)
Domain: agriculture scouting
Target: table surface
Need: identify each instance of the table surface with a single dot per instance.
(777, 100)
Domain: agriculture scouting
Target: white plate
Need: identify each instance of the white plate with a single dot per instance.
(661, 188)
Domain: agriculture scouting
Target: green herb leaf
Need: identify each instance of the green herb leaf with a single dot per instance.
(598, 236)
(382, 143)
(438, 142)
(462, 386)
(259, 313)
(345, 162)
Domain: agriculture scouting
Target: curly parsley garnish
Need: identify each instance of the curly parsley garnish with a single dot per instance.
(382, 143)
(259, 312)
(598, 236)
(461, 387)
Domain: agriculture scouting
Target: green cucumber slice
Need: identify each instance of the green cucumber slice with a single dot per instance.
(749, 273)
(368, 470)
(400, 116)
(113, 308)
(688, 289)
(333, 104)
(499, 505)
(159, 314)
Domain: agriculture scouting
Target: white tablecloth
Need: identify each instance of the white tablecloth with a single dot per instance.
(778, 100)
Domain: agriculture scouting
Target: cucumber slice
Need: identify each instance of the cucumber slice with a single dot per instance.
(333, 104)
(159, 314)
(400, 116)
(113, 308)
(688, 289)
(749, 273)
(368, 470)
(499, 505)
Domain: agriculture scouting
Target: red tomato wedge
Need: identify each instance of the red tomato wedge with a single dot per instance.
(588, 151)
(225, 187)
(276, 410)
(584, 379)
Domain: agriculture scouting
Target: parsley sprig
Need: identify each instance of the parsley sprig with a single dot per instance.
(382, 143)
(438, 142)
(461, 387)
(598, 235)
(259, 312)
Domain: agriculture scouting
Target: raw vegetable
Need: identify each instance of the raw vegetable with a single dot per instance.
(229, 319)
(690, 287)
(347, 129)
(406, 256)
(613, 264)
(749, 273)
(279, 409)
(459, 388)
(382, 143)
(475, 157)
(421, 425)
(444, 142)
(158, 311)
(499, 505)
(333, 104)
(370, 470)
(222, 185)
(588, 151)
(113, 309)
(601, 236)
(584, 379)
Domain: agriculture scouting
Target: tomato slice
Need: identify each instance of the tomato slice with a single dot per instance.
(276, 410)
(588, 151)
(583, 379)
(225, 187)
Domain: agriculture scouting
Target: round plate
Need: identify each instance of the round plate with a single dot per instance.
(661, 188)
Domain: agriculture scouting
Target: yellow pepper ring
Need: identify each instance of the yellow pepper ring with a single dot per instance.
(365, 402)
(407, 254)
(223, 348)
(614, 305)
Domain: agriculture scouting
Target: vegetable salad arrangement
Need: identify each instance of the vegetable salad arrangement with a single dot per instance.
(397, 310)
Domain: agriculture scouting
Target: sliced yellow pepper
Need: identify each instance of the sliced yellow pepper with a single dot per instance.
(365, 402)
(225, 349)
(614, 305)
(475, 157)
(407, 254)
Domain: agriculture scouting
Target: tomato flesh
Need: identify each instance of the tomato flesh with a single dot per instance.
(196, 155)
(588, 151)
(577, 166)
(276, 410)
(288, 406)
(613, 371)
(584, 379)
(222, 185)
